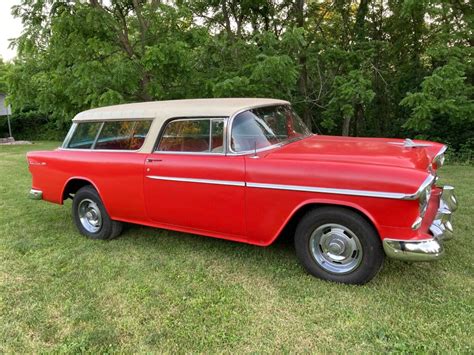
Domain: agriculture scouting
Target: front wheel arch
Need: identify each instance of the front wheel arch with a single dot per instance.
(289, 227)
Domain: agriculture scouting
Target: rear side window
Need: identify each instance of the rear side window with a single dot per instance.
(193, 135)
(110, 135)
(84, 135)
(122, 135)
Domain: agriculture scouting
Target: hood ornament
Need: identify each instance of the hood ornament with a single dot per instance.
(408, 143)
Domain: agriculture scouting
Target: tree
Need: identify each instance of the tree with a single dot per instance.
(366, 67)
(3, 77)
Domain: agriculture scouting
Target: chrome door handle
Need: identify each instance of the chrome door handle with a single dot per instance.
(152, 160)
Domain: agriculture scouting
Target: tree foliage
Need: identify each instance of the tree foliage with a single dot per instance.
(367, 67)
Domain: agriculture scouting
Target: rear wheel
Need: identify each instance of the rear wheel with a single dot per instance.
(339, 245)
(90, 216)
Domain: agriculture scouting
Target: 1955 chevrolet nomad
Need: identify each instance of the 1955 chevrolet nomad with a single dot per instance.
(247, 170)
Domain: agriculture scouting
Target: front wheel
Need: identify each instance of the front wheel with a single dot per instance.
(339, 245)
(90, 216)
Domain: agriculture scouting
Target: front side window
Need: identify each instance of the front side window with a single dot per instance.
(110, 135)
(266, 126)
(193, 135)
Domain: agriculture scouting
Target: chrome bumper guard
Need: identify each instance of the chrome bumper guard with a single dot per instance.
(35, 194)
(441, 229)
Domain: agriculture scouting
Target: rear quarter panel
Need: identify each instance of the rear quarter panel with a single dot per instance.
(118, 177)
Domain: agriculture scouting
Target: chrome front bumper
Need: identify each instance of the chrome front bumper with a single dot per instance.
(35, 194)
(441, 229)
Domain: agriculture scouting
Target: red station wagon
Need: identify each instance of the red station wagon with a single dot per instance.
(245, 170)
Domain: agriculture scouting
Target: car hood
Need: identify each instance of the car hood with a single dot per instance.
(375, 151)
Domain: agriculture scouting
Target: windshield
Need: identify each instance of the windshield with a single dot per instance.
(266, 126)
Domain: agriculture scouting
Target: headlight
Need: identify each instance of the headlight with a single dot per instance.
(424, 200)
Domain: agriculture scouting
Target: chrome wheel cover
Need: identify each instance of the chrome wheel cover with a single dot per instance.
(89, 215)
(335, 248)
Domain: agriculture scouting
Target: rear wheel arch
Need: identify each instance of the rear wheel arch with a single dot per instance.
(74, 184)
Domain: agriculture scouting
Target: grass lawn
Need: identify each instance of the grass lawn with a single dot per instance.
(154, 290)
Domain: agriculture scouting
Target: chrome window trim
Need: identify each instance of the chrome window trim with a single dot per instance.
(91, 149)
(207, 118)
(201, 181)
(103, 150)
(229, 133)
(117, 119)
(209, 154)
(69, 135)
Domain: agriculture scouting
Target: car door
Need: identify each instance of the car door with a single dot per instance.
(190, 182)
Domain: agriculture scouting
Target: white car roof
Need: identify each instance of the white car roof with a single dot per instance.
(164, 110)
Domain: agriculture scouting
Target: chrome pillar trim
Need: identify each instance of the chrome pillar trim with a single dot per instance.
(200, 181)
(417, 250)
(35, 194)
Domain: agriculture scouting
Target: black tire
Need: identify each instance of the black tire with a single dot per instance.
(87, 199)
(323, 232)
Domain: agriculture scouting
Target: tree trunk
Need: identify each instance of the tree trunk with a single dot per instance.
(346, 125)
(302, 60)
(228, 27)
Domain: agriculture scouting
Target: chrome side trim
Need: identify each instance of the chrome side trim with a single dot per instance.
(35, 194)
(391, 195)
(200, 181)
(364, 193)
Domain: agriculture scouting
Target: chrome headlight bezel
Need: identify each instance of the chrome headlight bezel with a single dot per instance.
(439, 160)
(440, 157)
(424, 200)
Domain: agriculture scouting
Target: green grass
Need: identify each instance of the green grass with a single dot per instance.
(154, 290)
